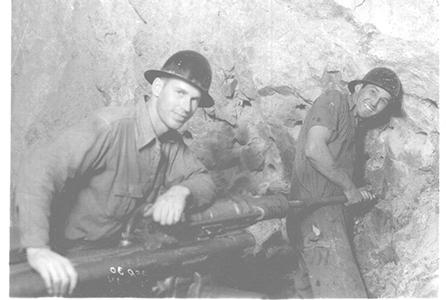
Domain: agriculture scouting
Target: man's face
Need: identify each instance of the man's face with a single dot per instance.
(371, 100)
(177, 102)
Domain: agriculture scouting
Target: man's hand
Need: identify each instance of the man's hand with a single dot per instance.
(367, 193)
(57, 271)
(169, 207)
(356, 195)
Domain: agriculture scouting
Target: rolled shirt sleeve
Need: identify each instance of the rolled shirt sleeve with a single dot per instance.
(45, 171)
(186, 170)
(325, 112)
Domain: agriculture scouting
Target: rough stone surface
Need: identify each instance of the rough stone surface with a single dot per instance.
(270, 60)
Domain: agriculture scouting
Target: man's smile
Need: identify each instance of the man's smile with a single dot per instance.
(370, 108)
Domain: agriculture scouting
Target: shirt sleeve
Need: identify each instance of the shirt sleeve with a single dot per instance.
(325, 112)
(186, 170)
(45, 171)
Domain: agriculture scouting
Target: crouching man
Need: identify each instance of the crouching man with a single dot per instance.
(81, 188)
(322, 174)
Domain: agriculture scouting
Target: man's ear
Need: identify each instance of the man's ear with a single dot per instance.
(358, 87)
(157, 86)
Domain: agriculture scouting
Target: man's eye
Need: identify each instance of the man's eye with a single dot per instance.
(196, 101)
(373, 92)
(181, 92)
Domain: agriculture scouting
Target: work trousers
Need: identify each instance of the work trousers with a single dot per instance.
(328, 268)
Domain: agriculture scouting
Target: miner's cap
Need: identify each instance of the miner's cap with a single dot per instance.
(382, 77)
(191, 67)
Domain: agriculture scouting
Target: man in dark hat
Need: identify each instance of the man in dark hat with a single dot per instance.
(322, 177)
(91, 178)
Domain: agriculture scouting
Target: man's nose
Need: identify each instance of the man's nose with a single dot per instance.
(186, 104)
(374, 101)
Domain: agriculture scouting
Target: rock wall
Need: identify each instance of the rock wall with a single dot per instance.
(270, 60)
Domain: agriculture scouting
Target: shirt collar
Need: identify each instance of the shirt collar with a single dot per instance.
(351, 104)
(351, 107)
(146, 134)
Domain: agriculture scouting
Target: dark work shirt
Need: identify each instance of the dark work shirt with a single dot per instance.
(104, 167)
(334, 111)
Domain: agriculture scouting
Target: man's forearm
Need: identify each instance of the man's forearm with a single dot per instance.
(33, 220)
(336, 175)
(202, 189)
(322, 160)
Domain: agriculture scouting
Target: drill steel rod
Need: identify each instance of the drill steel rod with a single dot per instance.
(25, 282)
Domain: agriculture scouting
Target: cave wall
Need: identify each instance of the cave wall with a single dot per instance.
(270, 60)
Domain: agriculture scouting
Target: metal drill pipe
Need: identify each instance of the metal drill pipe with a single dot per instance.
(25, 282)
(229, 213)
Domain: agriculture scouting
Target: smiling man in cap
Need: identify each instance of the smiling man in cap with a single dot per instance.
(322, 177)
(80, 188)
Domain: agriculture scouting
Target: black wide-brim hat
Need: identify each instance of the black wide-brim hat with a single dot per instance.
(191, 67)
(382, 77)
